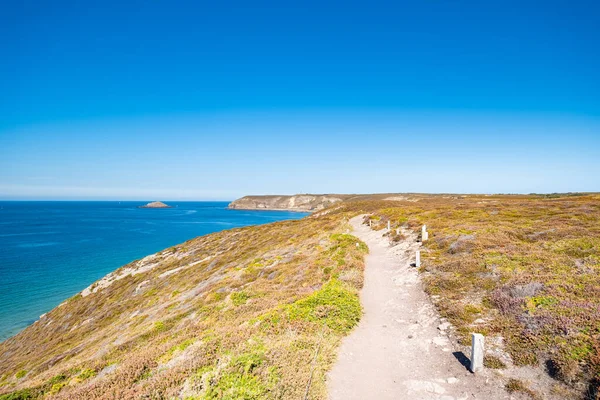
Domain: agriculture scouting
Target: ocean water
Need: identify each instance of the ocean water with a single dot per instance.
(49, 251)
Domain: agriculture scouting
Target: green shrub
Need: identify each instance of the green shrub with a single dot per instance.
(57, 379)
(236, 386)
(239, 298)
(24, 394)
(333, 305)
(159, 326)
(57, 387)
(21, 374)
(86, 374)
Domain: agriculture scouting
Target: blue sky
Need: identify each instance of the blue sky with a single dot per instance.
(214, 100)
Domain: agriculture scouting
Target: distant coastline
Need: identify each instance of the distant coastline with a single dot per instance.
(294, 203)
(270, 209)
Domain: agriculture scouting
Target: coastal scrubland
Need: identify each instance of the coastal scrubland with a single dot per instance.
(259, 312)
(248, 313)
(522, 270)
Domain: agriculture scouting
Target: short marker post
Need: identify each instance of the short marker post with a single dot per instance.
(477, 349)
(424, 233)
(418, 259)
(388, 225)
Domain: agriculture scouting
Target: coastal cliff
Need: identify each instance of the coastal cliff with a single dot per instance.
(299, 202)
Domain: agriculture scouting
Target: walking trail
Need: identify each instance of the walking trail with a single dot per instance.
(400, 349)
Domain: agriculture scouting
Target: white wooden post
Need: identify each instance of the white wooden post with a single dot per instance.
(370, 224)
(477, 349)
(424, 234)
(388, 225)
(397, 231)
(418, 258)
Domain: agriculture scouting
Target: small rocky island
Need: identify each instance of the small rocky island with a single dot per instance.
(156, 204)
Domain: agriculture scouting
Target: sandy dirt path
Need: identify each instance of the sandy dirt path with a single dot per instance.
(398, 350)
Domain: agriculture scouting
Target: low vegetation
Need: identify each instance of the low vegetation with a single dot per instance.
(249, 313)
(517, 386)
(259, 312)
(523, 268)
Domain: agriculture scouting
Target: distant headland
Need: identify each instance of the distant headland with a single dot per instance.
(299, 202)
(156, 204)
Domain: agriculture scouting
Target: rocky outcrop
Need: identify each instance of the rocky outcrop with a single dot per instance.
(156, 204)
(300, 202)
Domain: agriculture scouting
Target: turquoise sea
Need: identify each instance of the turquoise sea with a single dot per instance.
(49, 251)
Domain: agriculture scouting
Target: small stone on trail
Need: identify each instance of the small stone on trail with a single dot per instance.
(410, 336)
(452, 380)
(444, 326)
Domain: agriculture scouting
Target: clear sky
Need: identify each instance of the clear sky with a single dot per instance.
(214, 100)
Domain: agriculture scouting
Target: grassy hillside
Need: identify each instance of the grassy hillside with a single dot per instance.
(248, 313)
(524, 269)
(258, 312)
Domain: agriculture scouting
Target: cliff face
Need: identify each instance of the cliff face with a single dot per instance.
(300, 202)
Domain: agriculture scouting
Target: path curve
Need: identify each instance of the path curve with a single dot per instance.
(398, 351)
